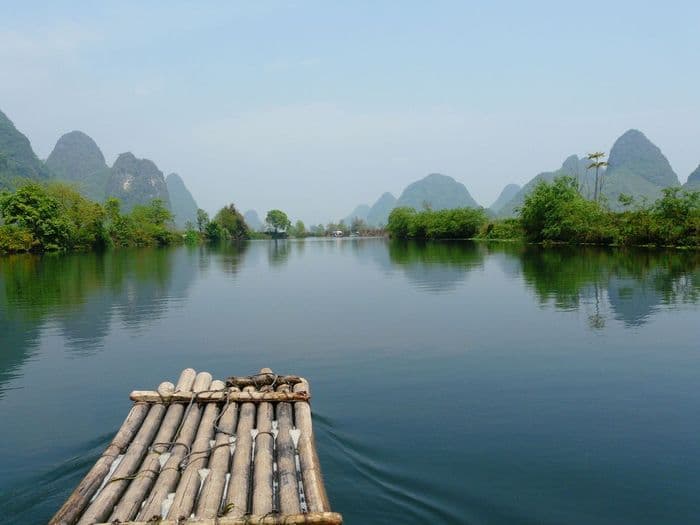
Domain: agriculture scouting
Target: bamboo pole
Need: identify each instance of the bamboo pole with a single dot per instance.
(190, 483)
(209, 503)
(262, 379)
(314, 490)
(131, 502)
(252, 396)
(286, 464)
(80, 497)
(312, 518)
(263, 497)
(170, 474)
(239, 484)
(101, 507)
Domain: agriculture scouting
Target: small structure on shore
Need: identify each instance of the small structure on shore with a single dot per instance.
(209, 452)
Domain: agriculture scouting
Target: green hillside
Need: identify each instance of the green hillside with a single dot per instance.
(77, 159)
(438, 192)
(18, 162)
(136, 181)
(183, 205)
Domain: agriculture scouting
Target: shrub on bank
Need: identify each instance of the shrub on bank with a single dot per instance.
(502, 230)
(557, 212)
(56, 217)
(459, 223)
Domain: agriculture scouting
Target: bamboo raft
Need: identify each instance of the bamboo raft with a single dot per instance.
(209, 452)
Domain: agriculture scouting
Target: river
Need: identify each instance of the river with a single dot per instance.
(453, 382)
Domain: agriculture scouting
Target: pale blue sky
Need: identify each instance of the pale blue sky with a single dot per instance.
(315, 107)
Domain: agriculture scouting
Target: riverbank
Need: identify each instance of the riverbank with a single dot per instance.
(556, 213)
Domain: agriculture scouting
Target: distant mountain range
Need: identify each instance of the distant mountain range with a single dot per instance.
(636, 167)
(506, 196)
(693, 182)
(183, 205)
(17, 159)
(434, 191)
(77, 159)
(252, 219)
(573, 166)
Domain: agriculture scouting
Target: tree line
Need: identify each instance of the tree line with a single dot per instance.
(557, 212)
(56, 217)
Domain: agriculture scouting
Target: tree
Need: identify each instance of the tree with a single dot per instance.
(277, 220)
(230, 219)
(202, 220)
(557, 212)
(597, 163)
(358, 225)
(299, 229)
(34, 210)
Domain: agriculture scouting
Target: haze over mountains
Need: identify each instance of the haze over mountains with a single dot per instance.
(693, 182)
(17, 159)
(78, 160)
(637, 167)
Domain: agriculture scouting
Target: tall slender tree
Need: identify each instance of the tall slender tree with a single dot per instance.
(597, 162)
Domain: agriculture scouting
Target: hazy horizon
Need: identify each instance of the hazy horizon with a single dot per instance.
(316, 108)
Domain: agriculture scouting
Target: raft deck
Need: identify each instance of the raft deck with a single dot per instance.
(239, 451)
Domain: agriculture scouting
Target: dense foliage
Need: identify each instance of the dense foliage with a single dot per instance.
(232, 223)
(56, 217)
(459, 223)
(277, 221)
(557, 212)
(227, 224)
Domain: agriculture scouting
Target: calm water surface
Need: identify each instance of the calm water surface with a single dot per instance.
(453, 382)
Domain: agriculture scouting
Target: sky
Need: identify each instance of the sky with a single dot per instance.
(314, 107)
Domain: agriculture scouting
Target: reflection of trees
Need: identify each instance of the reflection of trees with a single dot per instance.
(230, 255)
(83, 294)
(278, 252)
(436, 266)
(629, 284)
(636, 282)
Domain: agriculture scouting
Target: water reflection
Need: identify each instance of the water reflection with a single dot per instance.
(631, 283)
(278, 251)
(436, 267)
(82, 294)
(623, 284)
(230, 256)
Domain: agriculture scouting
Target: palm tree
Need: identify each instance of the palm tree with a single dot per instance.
(596, 163)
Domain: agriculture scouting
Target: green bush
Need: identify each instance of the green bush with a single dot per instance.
(32, 209)
(557, 212)
(57, 217)
(459, 223)
(502, 230)
(15, 238)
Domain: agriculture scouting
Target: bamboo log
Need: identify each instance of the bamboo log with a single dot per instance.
(101, 507)
(286, 464)
(170, 474)
(262, 379)
(149, 396)
(263, 497)
(131, 502)
(314, 490)
(239, 484)
(80, 497)
(209, 503)
(312, 518)
(188, 488)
